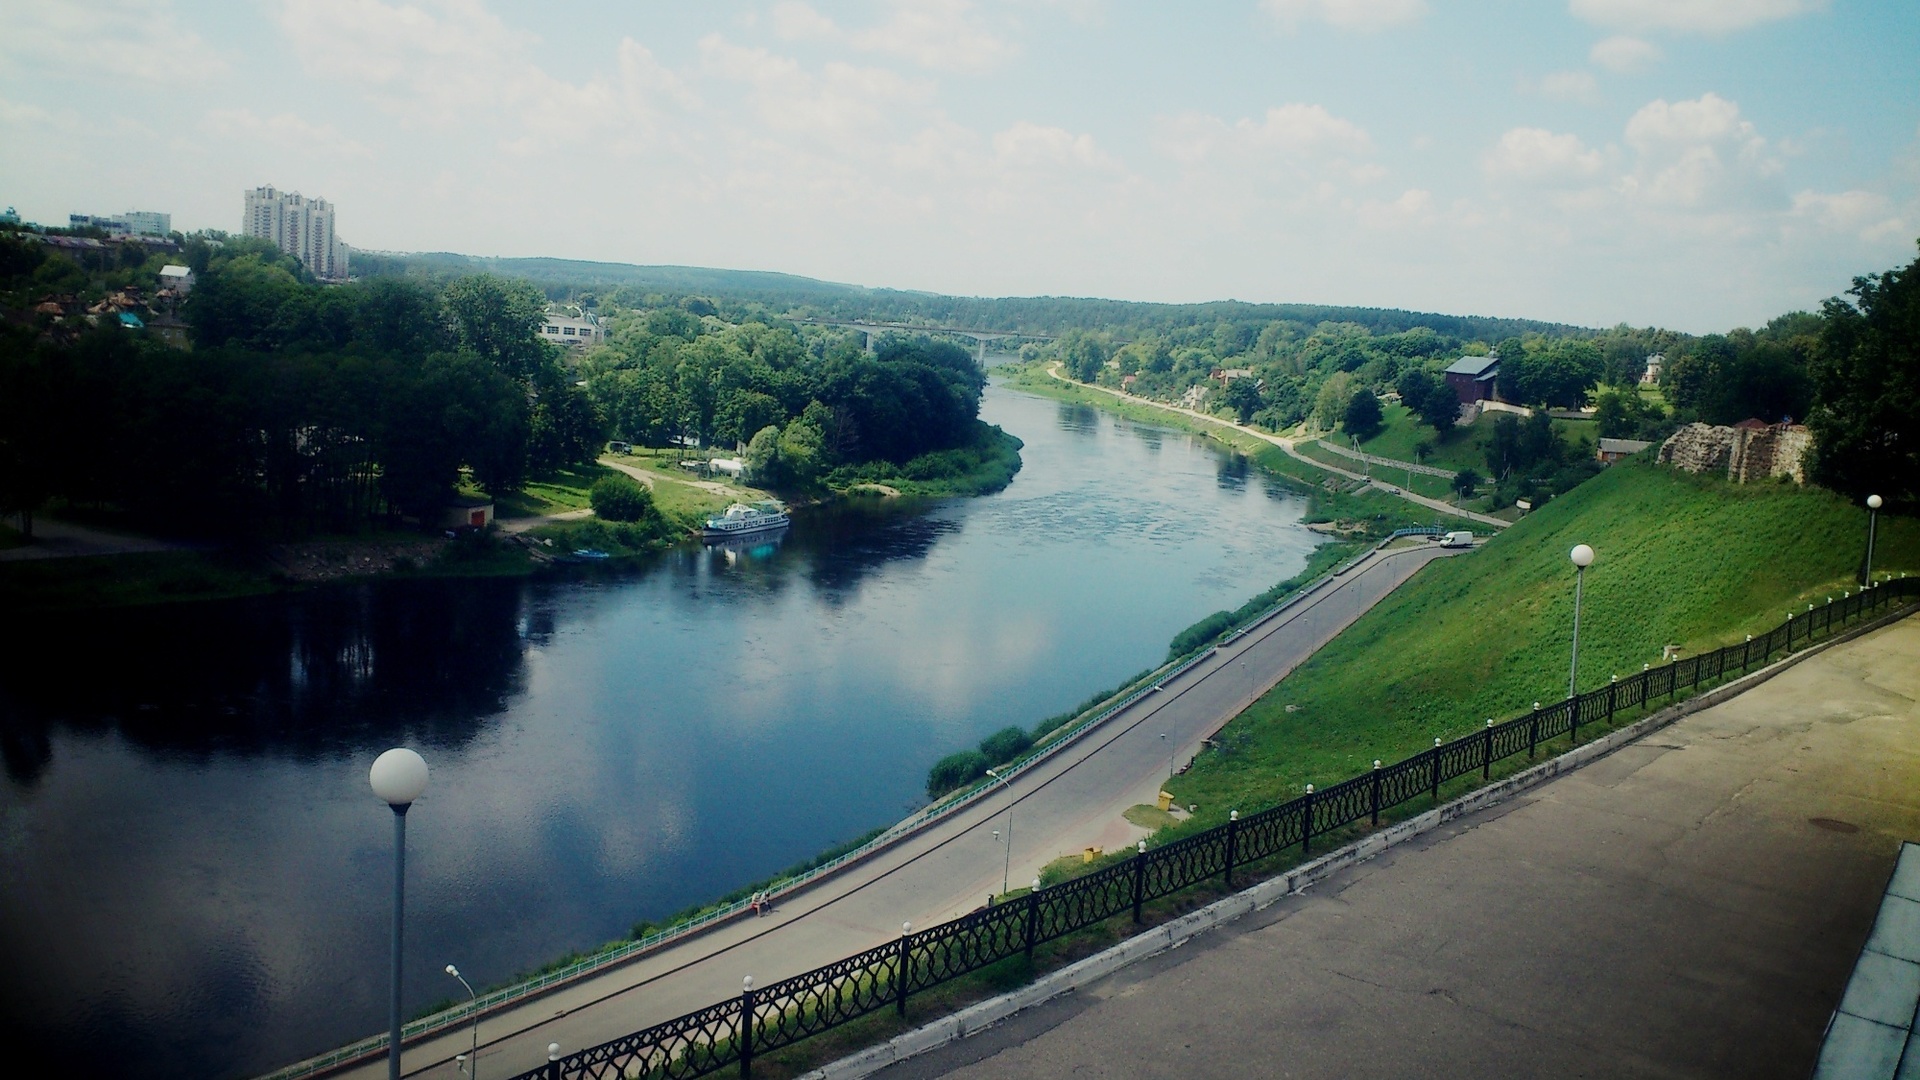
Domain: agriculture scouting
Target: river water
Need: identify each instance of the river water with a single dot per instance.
(197, 876)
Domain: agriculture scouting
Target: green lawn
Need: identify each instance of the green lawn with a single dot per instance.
(1460, 448)
(550, 493)
(1683, 560)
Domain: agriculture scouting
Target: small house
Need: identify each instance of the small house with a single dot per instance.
(1474, 378)
(1612, 450)
(468, 512)
(177, 278)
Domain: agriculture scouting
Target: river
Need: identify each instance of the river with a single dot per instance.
(197, 873)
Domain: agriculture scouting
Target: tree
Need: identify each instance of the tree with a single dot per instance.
(1464, 483)
(619, 497)
(1362, 419)
(1330, 404)
(1243, 397)
(1866, 417)
(1429, 398)
(763, 457)
(499, 320)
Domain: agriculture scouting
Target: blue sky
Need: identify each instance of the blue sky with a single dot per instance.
(1699, 164)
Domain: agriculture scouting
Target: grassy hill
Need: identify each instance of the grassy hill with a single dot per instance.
(1682, 560)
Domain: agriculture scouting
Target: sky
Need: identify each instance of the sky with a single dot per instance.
(1694, 164)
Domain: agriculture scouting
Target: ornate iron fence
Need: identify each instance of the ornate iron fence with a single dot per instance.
(731, 1033)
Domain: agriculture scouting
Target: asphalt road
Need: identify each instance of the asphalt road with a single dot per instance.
(1074, 799)
(1689, 906)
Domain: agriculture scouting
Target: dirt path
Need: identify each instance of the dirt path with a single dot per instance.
(65, 540)
(1286, 444)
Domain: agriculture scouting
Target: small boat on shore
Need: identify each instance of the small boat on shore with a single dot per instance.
(742, 519)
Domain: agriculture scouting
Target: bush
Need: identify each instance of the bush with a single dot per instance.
(1200, 634)
(1005, 744)
(618, 497)
(955, 771)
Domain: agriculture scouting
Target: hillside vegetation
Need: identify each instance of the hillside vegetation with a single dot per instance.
(1682, 560)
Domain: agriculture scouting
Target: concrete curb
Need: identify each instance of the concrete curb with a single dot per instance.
(1171, 935)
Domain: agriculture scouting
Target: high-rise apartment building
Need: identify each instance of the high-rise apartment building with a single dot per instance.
(299, 226)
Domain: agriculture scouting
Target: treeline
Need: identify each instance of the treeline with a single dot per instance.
(300, 407)
(801, 406)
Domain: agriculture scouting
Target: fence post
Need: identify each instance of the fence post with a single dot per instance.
(1573, 721)
(1789, 631)
(1486, 758)
(1613, 686)
(1233, 836)
(1533, 730)
(1376, 793)
(1435, 754)
(1306, 823)
(744, 1032)
(1139, 880)
(1033, 918)
(902, 969)
(553, 1061)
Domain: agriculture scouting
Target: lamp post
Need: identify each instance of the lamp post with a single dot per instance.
(1006, 864)
(1169, 746)
(398, 776)
(472, 1064)
(1582, 557)
(1873, 519)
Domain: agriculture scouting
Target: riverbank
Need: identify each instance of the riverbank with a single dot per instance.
(540, 529)
(1343, 500)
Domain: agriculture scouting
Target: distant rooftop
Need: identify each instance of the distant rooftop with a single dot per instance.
(1472, 365)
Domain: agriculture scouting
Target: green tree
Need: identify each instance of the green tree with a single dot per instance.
(1243, 397)
(1866, 419)
(1363, 416)
(619, 497)
(1464, 483)
(763, 457)
(499, 320)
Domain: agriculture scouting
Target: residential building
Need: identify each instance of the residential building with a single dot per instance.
(1612, 450)
(572, 326)
(177, 278)
(1474, 378)
(131, 223)
(300, 226)
(1651, 376)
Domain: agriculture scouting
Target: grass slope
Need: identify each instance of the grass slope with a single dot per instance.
(1682, 560)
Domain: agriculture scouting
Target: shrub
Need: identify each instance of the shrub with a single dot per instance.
(1005, 744)
(618, 497)
(1200, 634)
(955, 771)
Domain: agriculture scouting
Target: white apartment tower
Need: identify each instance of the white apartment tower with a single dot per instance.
(299, 226)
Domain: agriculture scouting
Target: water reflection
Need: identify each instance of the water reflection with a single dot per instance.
(196, 868)
(1231, 472)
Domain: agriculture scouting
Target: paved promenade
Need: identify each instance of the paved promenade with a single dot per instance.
(1074, 799)
(1688, 906)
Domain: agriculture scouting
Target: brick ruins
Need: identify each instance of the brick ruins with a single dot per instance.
(1751, 451)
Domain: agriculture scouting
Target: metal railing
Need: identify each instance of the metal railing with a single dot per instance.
(527, 988)
(733, 1032)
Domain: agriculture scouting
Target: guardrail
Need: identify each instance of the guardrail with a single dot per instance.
(1389, 463)
(495, 999)
(732, 1032)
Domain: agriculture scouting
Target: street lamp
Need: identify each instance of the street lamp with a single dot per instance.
(472, 1064)
(1873, 519)
(1582, 557)
(398, 776)
(1169, 746)
(1006, 864)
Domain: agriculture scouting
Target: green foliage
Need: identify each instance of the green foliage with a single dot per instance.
(618, 497)
(1430, 398)
(1724, 379)
(1464, 483)
(956, 771)
(1683, 560)
(1200, 634)
(1006, 744)
(1557, 374)
(1362, 418)
(1867, 422)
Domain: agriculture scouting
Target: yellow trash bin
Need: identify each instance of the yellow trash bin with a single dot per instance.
(1166, 800)
(1090, 854)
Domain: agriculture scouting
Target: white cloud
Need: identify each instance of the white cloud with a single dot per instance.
(939, 34)
(1699, 153)
(795, 21)
(1866, 214)
(1413, 207)
(284, 131)
(1624, 55)
(1295, 130)
(102, 39)
(1029, 145)
(1699, 16)
(1536, 155)
(1362, 15)
(1575, 86)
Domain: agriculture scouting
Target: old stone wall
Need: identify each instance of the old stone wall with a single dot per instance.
(1740, 454)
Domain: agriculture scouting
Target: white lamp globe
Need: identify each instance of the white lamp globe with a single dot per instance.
(398, 776)
(1582, 556)
(1873, 502)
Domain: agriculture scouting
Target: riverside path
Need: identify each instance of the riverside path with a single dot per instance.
(1292, 451)
(1688, 906)
(1074, 799)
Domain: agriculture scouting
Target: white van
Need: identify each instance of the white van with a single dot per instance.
(1457, 539)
